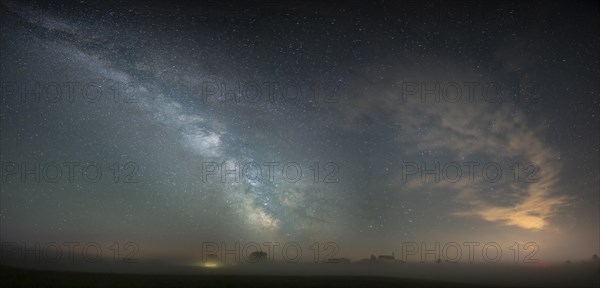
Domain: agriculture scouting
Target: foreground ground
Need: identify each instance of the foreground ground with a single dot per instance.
(14, 277)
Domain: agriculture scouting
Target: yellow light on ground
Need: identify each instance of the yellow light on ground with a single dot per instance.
(211, 265)
(208, 264)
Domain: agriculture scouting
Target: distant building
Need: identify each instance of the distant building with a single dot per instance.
(387, 258)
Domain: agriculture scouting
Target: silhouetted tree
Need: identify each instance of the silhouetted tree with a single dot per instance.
(258, 256)
(595, 258)
(373, 258)
(438, 261)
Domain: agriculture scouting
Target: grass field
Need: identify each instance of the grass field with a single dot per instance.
(14, 277)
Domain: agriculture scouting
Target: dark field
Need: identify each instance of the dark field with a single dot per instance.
(14, 277)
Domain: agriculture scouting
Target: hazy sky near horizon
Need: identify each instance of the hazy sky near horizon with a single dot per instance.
(371, 126)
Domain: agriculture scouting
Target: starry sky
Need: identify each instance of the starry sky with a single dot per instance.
(361, 98)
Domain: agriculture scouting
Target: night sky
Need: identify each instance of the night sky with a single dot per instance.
(362, 99)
